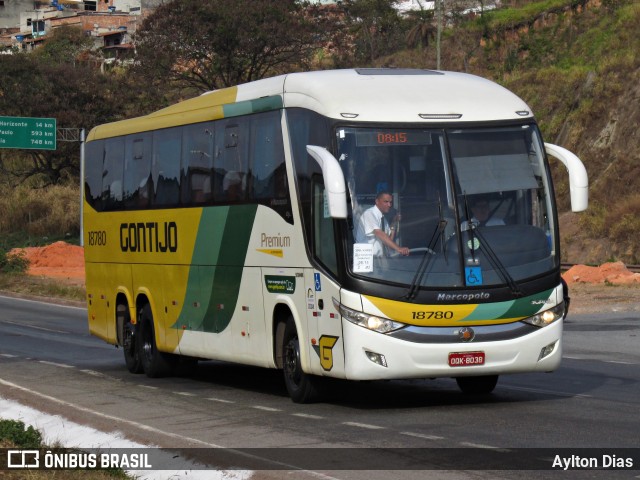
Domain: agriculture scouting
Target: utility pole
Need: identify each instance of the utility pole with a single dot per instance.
(439, 8)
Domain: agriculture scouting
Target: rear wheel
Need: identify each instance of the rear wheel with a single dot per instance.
(131, 356)
(154, 362)
(477, 385)
(302, 387)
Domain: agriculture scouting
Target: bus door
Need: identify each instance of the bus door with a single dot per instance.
(325, 327)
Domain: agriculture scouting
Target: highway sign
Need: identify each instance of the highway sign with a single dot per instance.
(28, 133)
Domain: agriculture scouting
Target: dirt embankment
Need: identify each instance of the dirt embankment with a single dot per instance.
(609, 287)
(59, 260)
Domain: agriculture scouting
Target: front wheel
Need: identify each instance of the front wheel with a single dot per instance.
(477, 385)
(302, 387)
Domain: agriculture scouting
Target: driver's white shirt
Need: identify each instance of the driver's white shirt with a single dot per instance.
(370, 221)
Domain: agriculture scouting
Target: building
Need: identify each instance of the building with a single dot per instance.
(24, 24)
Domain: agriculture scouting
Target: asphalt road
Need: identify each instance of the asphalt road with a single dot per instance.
(49, 361)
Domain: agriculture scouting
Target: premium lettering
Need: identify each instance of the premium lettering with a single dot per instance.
(275, 241)
(149, 237)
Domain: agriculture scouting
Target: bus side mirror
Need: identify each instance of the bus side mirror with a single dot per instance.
(333, 180)
(578, 179)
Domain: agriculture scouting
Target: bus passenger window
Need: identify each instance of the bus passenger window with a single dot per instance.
(137, 182)
(165, 168)
(197, 163)
(230, 164)
(93, 173)
(112, 173)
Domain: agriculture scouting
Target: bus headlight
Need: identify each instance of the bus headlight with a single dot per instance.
(547, 317)
(371, 322)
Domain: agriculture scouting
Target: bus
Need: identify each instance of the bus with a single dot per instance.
(227, 227)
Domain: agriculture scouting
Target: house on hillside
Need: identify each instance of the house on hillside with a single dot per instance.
(109, 22)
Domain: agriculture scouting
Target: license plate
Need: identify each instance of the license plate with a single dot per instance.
(466, 359)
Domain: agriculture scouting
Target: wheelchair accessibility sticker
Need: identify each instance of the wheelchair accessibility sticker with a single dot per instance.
(473, 276)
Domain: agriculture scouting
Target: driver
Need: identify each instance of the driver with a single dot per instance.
(376, 228)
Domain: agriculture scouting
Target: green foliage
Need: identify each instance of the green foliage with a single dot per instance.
(236, 41)
(12, 263)
(64, 44)
(23, 437)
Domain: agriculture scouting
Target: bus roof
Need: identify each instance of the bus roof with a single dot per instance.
(364, 95)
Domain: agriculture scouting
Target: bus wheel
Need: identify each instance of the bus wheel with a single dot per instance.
(302, 387)
(477, 385)
(154, 363)
(131, 355)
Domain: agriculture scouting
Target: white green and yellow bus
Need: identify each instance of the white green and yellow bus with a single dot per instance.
(226, 228)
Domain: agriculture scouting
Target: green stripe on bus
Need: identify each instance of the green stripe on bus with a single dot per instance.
(218, 259)
(520, 308)
(253, 106)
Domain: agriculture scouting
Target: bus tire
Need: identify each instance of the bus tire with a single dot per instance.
(129, 347)
(477, 385)
(302, 387)
(154, 362)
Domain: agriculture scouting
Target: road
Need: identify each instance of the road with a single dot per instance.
(49, 361)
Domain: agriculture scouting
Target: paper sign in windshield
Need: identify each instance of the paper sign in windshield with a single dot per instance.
(362, 257)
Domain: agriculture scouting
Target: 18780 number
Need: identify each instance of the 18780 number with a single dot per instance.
(437, 315)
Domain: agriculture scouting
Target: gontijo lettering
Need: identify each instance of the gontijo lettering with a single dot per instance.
(149, 237)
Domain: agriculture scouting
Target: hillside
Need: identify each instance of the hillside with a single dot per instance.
(577, 64)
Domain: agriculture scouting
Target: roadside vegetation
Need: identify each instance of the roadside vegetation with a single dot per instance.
(15, 434)
(575, 62)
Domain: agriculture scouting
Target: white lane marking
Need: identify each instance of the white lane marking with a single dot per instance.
(49, 304)
(148, 428)
(34, 327)
(487, 447)
(150, 387)
(308, 415)
(363, 425)
(220, 400)
(185, 394)
(8, 355)
(54, 364)
(422, 435)
(90, 411)
(266, 409)
(546, 392)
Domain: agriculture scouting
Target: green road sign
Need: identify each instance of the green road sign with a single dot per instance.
(28, 133)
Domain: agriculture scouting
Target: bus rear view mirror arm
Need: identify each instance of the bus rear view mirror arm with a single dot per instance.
(578, 179)
(333, 180)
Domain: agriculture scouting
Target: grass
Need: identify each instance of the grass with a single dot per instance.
(31, 286)
(15, 434)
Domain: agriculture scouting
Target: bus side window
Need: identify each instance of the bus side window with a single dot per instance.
(197, 163)
(231, 163)
(93, 173)
(269, 173)
(165, 168)
(112, 173)
(324, 243)
(138, 183)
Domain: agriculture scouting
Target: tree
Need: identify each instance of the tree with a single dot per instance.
(375, 26)
(423, 28)
(64, 45)
(212, 44)
(76, 96)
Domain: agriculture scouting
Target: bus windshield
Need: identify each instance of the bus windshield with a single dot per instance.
(473, 206)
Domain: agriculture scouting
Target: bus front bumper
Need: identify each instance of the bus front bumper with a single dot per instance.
(373, 356)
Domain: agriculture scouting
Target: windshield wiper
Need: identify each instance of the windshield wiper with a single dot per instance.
(494, 260)
(426, 258)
